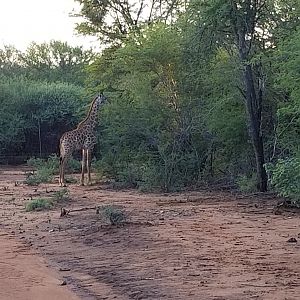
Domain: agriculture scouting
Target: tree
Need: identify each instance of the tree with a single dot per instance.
(40, 92)
(286, 60)
(244, 25)
(10, 60)
(35, 114)
(56, 61)
(195, 97)
(244, 28)
(150, 131)
(113, 20)
(52, 62)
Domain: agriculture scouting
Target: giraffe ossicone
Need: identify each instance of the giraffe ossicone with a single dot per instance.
(83, 138)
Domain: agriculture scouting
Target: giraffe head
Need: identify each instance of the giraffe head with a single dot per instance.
(100, 100)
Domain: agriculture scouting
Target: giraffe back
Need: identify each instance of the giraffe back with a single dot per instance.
(82, 137)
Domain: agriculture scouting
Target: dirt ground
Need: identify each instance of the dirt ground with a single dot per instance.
(192, 245)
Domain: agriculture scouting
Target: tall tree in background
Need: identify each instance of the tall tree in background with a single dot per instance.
(152, 127)
(56, 61)
(286, 59)
(244, 20)
(223, 72)
(113, 20)
(9, 60)
(246, 28)
(41, 91)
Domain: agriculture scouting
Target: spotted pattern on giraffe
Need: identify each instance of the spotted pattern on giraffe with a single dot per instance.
(81, 138)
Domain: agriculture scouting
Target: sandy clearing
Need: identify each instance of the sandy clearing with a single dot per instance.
(192, 245)
(25, 276)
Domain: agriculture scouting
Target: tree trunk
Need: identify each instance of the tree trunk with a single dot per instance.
(253, 106)
(244, 26)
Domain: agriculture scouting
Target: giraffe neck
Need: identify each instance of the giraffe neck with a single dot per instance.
(91, 118)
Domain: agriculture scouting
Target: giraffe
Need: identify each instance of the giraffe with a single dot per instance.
(81, 138)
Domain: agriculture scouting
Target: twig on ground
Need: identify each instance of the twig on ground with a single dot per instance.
(64, 212)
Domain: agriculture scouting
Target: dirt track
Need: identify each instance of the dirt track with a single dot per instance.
(195, 245)
(24, 276)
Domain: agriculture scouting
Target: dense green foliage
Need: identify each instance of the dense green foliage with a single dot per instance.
(44, 169)
(285, 177)
(53, 62)
(41, 93)
(203, 91)
(288, 85)
(181, 110)
(153, 134)
(34, 114)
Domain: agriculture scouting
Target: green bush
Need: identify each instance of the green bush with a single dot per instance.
(61, 195)
(70, 179)
(45, 203)
(42, 175)
(129, 176)
(35, 108)
(51, 163)
(247, 184)
(73, 165)
(39, 204)
(285, 178)
(113, 214)
(45, 169)
(152, 133)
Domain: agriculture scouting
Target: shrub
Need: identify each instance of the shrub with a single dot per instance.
(46, 168)
(39, 204)
(44, 203)
(70, 179)
(247, 184)
(285, 178)
(35, 162)
(73, 165)
(152, 179)
(35, 106)
(51, 163)
(129, 176)
(113, 214)
(61, 195)
(42, 175)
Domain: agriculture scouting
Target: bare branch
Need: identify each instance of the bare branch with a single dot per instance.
(139, 13)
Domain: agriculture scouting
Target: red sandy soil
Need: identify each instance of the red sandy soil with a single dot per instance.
(24, 276)
(192, 245)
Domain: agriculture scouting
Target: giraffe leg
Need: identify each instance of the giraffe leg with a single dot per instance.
(83, 166)
(88, 165)
(62, 171)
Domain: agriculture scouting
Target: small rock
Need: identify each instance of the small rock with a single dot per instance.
(64, 269)
(63, 282)
(292, 240)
